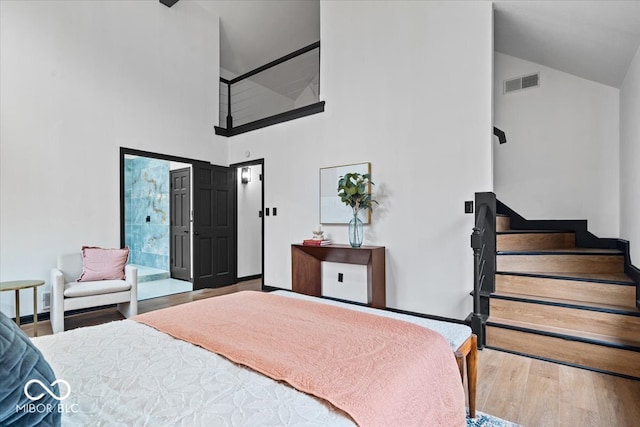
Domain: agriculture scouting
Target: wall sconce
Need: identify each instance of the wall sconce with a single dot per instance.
(245, 175)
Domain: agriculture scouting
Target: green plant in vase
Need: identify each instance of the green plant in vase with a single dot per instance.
(354, 190)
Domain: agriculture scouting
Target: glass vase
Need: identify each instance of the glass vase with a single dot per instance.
(355, 232)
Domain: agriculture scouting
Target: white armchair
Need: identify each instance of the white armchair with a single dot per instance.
(68, 294)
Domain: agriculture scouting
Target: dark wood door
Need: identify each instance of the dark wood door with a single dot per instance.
(180, 204)
(213, 224)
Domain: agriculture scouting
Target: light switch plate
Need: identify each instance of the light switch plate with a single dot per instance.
(468, 206)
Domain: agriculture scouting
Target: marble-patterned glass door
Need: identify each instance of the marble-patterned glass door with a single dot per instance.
(147, 211)
(147, 224)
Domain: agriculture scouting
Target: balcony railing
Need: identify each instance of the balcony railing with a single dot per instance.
(282, 90)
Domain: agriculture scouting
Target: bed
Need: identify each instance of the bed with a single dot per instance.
(131, 373)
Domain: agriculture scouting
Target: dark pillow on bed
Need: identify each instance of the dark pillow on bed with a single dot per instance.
(21, 361)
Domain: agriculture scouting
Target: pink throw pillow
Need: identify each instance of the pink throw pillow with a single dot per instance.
(103, 264)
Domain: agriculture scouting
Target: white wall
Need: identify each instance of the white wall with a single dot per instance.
(562, 156)
(630, 158)
(249, 223)
(78, 80)
(408, 88)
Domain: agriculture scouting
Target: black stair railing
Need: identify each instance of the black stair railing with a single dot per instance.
(483, 243)
(502, 137)
(285, 89)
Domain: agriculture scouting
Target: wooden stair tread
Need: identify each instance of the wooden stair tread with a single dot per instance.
(514, 231)
(586, 290)
(571, 251)
(561, 260)
(567, 302)
(614, 278)
(563, 303)
(589, 336)
(589, 354)
(599, 321)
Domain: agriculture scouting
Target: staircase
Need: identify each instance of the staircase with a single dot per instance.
(559, 301)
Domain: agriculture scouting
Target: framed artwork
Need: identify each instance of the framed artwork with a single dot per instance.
(332, 210)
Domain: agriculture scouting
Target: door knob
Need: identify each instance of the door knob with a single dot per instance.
(186, 231)
(195, 233)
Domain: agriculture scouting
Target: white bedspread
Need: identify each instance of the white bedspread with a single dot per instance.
(127, 374)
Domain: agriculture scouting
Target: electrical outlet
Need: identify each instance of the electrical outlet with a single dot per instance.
(468, 206)
(340, 277)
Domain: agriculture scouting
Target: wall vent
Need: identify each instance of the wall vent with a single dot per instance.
(46, 301)
(520, 83)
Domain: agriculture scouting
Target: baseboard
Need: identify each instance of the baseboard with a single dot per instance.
(28, 319)
(247, 278)
(394, 310)
(428, 316)
(266, 288)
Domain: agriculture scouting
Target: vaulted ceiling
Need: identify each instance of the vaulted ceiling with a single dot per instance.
(256, 32)
(592, 39)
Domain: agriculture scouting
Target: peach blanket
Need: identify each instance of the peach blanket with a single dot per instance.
(378, 370)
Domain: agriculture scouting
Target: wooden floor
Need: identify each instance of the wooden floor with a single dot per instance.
(110, 314)
(532, 392)
(526, 391)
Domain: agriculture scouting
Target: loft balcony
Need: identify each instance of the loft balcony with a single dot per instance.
(285, 89)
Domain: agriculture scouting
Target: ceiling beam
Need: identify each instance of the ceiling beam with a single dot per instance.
(168, 3)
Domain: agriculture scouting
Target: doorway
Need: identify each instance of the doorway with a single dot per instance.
(147, 225)
(249, 185)
(180, 223)
(163, 197)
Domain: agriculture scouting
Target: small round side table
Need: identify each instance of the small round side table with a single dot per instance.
(17, 285)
